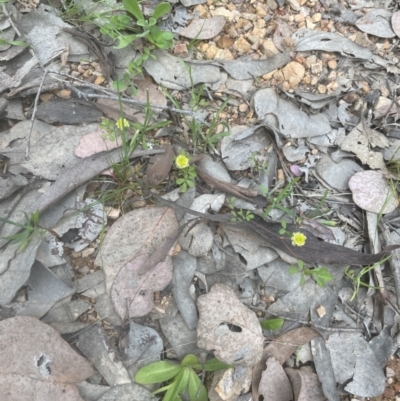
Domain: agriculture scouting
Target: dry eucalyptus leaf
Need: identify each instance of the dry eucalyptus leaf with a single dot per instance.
(306, 386)
(274, 384)
(376, 22)
(228, 327)
(359, 141)
(94, 142)
(396, 23)
(36, 363)
(140, 232)
(133, 293)
(204, 28)
(281, 348)
(371, 192)
(159, 166)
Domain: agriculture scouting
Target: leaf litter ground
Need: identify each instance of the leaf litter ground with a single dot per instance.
(311, 92)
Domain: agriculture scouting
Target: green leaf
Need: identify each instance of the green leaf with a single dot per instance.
(272, 324)
(180, 181)
(300, 263)
(180, 384)
(161, 9)
(157, 372)
(125, 41)
(283, 224)
(189, 360)
(167, 35)
(194, 384)
(132, 6)
(183, 187)
(293, 270)
(282, 231)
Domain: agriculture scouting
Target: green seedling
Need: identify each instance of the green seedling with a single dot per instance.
(241, 215)
(27, 230)
(275, 201)
(256, 163)
(13, 42)
(357, 279)
(272, 324)
(186, 177)
(320, 275)
(180, 378)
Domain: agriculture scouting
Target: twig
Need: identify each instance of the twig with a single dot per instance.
(309, 323)
(113, 96)
(28, 148)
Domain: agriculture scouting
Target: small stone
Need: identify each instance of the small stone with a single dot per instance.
(260, 11)
(281, 175)
(365, 86)
(309, 24)
(299, 18)
(314, 151)
(211, 52)
(64, 94)
(232, 32)
(272, 4)
(112, 213)
(321, 88)
(75, 255)
(389, 393)
(293, 73)
(314, 81)
(87, 252)
(261, 23)
(99, 80)
(321, 311)
(268, 76)
(201, 11)
(331, 87)
(225, 42)
(45, 97)
(224, 54)
(316, 17)
(259, 32)
(243, 107)
(317, 67)
(181, 49)
(294, 5)
(224, 12)
(84, 270)
(242, 45)
(139, 204)
(332, 64)
(268, 48)
(350, 98)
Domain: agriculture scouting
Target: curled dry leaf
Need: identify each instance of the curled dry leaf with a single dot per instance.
(36, 363)
(132, 293)
(281, 348)
(228, 327)
(371, 192)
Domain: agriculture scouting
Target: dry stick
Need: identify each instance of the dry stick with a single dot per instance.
(28, 148)
(309, 323)
(113, 96)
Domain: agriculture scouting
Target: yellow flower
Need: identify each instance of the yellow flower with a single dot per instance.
(182, 161)
(122, 123)
(298, 239)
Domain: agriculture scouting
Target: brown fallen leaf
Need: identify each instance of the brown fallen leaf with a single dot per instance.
(314, 250)
(36, 363)
(306, 386)
(159, 166)
(281, 348)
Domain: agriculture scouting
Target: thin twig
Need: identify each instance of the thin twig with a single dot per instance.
(28, 148)
(308, 323)
(114, 96)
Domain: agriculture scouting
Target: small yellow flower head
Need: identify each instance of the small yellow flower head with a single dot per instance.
(182, 161)
(122, 123)
(298, 239)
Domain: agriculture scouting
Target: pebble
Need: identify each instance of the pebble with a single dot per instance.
(224, 54)
(316, 17)
(272, 4)
(211, 52)
(293, 73)
(317, 67)
(242, 45)
(99, 80)
(223, 12)
(225, 42)
(75, 255)
(294, 5)
(243, 107)
(87, 252)
(232, 32)
(269, 48)
(321, 89)
(332, 64)
(281, 175)
(64, 94)
(84, 270)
